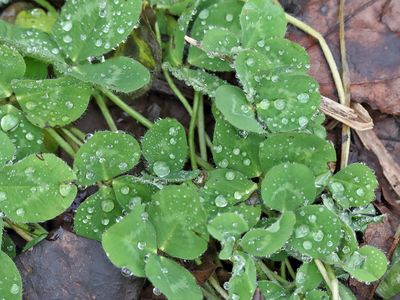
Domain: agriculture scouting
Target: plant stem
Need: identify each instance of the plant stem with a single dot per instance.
(77, 132)
(208, 295)
(105, 111)
(204, 164)
(192, 126)
(71, 136)
(201, 130)
(22, 233)
(272, 275)
(215, 284)
(61, 142)
(283, 269)
(329, 277)
(126, 108)
(47, 6)
(177, 92)
(290, 269)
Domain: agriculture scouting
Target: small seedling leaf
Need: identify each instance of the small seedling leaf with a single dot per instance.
(10, 280)
(13, 66)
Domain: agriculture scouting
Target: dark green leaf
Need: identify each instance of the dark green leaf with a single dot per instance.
(227, 225)
(8, 246)
(10, 280)
(13, 66)
(219, 42)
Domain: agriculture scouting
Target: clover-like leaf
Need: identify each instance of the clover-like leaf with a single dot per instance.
(233, 105)
(353, 186)
(302, 148)
(219, 42)
(92, 28)
(121, 74)
(36, 189)
(308, 277)
(222, 14)
(10, 280)
(272, 291)
(99, 211)
(165, 147)
(36, 18)
(35, 69)
(265, 242)
(227, 224)
(243, 282)
(128, 242)
(288, 186)
(106, 155)
(317, 232)
(131, 191)
(261, 20)
(7, 150)
(8, 246)
(179, 219)
(349, 242)
(345, 293)
(389, 285)
(13, 66)
(173, 280)
(372, 267)
(52, 102)
(317, 295)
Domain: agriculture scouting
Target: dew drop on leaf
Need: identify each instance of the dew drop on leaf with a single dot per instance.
(220, 201)
(65, 189)
(107, 205)
(8, 123)
(161, 169)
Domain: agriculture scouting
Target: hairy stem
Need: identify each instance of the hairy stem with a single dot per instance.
(105, 111)
(61, 142)
(192, 126)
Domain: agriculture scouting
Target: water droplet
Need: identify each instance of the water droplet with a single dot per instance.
(9, 123)
(67, 26)
(29, 136)
(301, 231)
(204, 14)
(107, 205)
(67, 39)
(156, 291)
(173, 131)
(303, 121)
(105, 222)
(318, 236)
(3, 196)
(279, 104)
(20, 212)
(303, 97)
(14, 289)
(220, 201)
(65, 189)
(264, 104)
(30, 105)
(230, 175)
(121, 30)
(161, 169)
(360, 192)
(69, 105)
(250, 61)
(125, 190)
(141, 245)
(307, 245)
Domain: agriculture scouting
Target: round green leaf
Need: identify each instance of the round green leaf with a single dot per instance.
(92, 28)
(106, 155)
(10, 280)
(288, 186)
(302, 148)
(219, 42)
(52, 102)
(261, 20)
(272, 291)
(308, 277)
(227, 225)
(13, 66)
(165, 147)
(36, 189)
(121, 74)
(26, 137)
(179, 219)
(243, 282)
(373, 267)
(265, 242)
(173, 280)
(233, 105)
(128, 242)
(353, 186)
(317, 232)
(7, 150)
(97, 213)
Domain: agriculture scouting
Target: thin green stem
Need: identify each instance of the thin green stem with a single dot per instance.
(177, 92)
(105, 111)
(290, 268)
(61, 142)
(204, 164)
(47, 6)
(21, 232)
(208, 295)
(71, 136)
(283, 269)
(201, 130)
(215, 284)
(325, 275)
(126, 108)
(77, 132)
(272, 275)
(192, 126)
(334, 282)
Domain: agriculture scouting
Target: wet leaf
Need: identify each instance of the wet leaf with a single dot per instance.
(13, 62)
(219, 42)
(317, 295)
(106, 155)
(271, 290)
(389, 286)
(36, 189)
(8, 246)
(243, 282)
(308, 277)
(10, 280)
(37, 19)
(227, 224)
(35, 69)
(7, 151)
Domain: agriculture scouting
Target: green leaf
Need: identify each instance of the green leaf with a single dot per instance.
(223, 14)
(92, 28)
(179, 219)
(121, 74)
(31, 42)
(131, 191)
(219, 42)
(99, 211)
(52, 102)
(317, 232)
(36, 189)
(7, 150)
(243, 282)
(106, 155)
(198, 79)
(10, 280)
(349, 242)
(308, 277)
(288, 186)
(373, 267)
(302, 148)
(317, 295)
(236, 150)
(128, 242)
(261, 20)
(265, 242)
(36, 18)
(27, 138)
(353, 186)
(272, 291)
(345, 293)
(173, 280)
(232, 103)
(8, 246)
(35, 69)
(165, 147)
(13, 66)
(227, 224)
(389, 286)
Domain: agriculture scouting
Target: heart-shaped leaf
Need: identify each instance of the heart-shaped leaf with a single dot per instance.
(10, 280)
(179, 219)
(106, 155)
(36, 189)
(288, 186)
(100, 211)
(92, 28)
(265, 242)
(219, 42)
(171, 279)
(243, 282)
(165, 147)
(128, 242)
(52, 102)
(353, 186)
(227, 224)
(14, 63)
(7, 151)
(308, 277)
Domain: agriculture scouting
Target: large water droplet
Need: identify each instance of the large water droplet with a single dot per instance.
(65, 189)
(220, 201)
(161, 169)
(107, 205)
(14, 289)
(3, 196)
(9, 123)
(20, 212)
